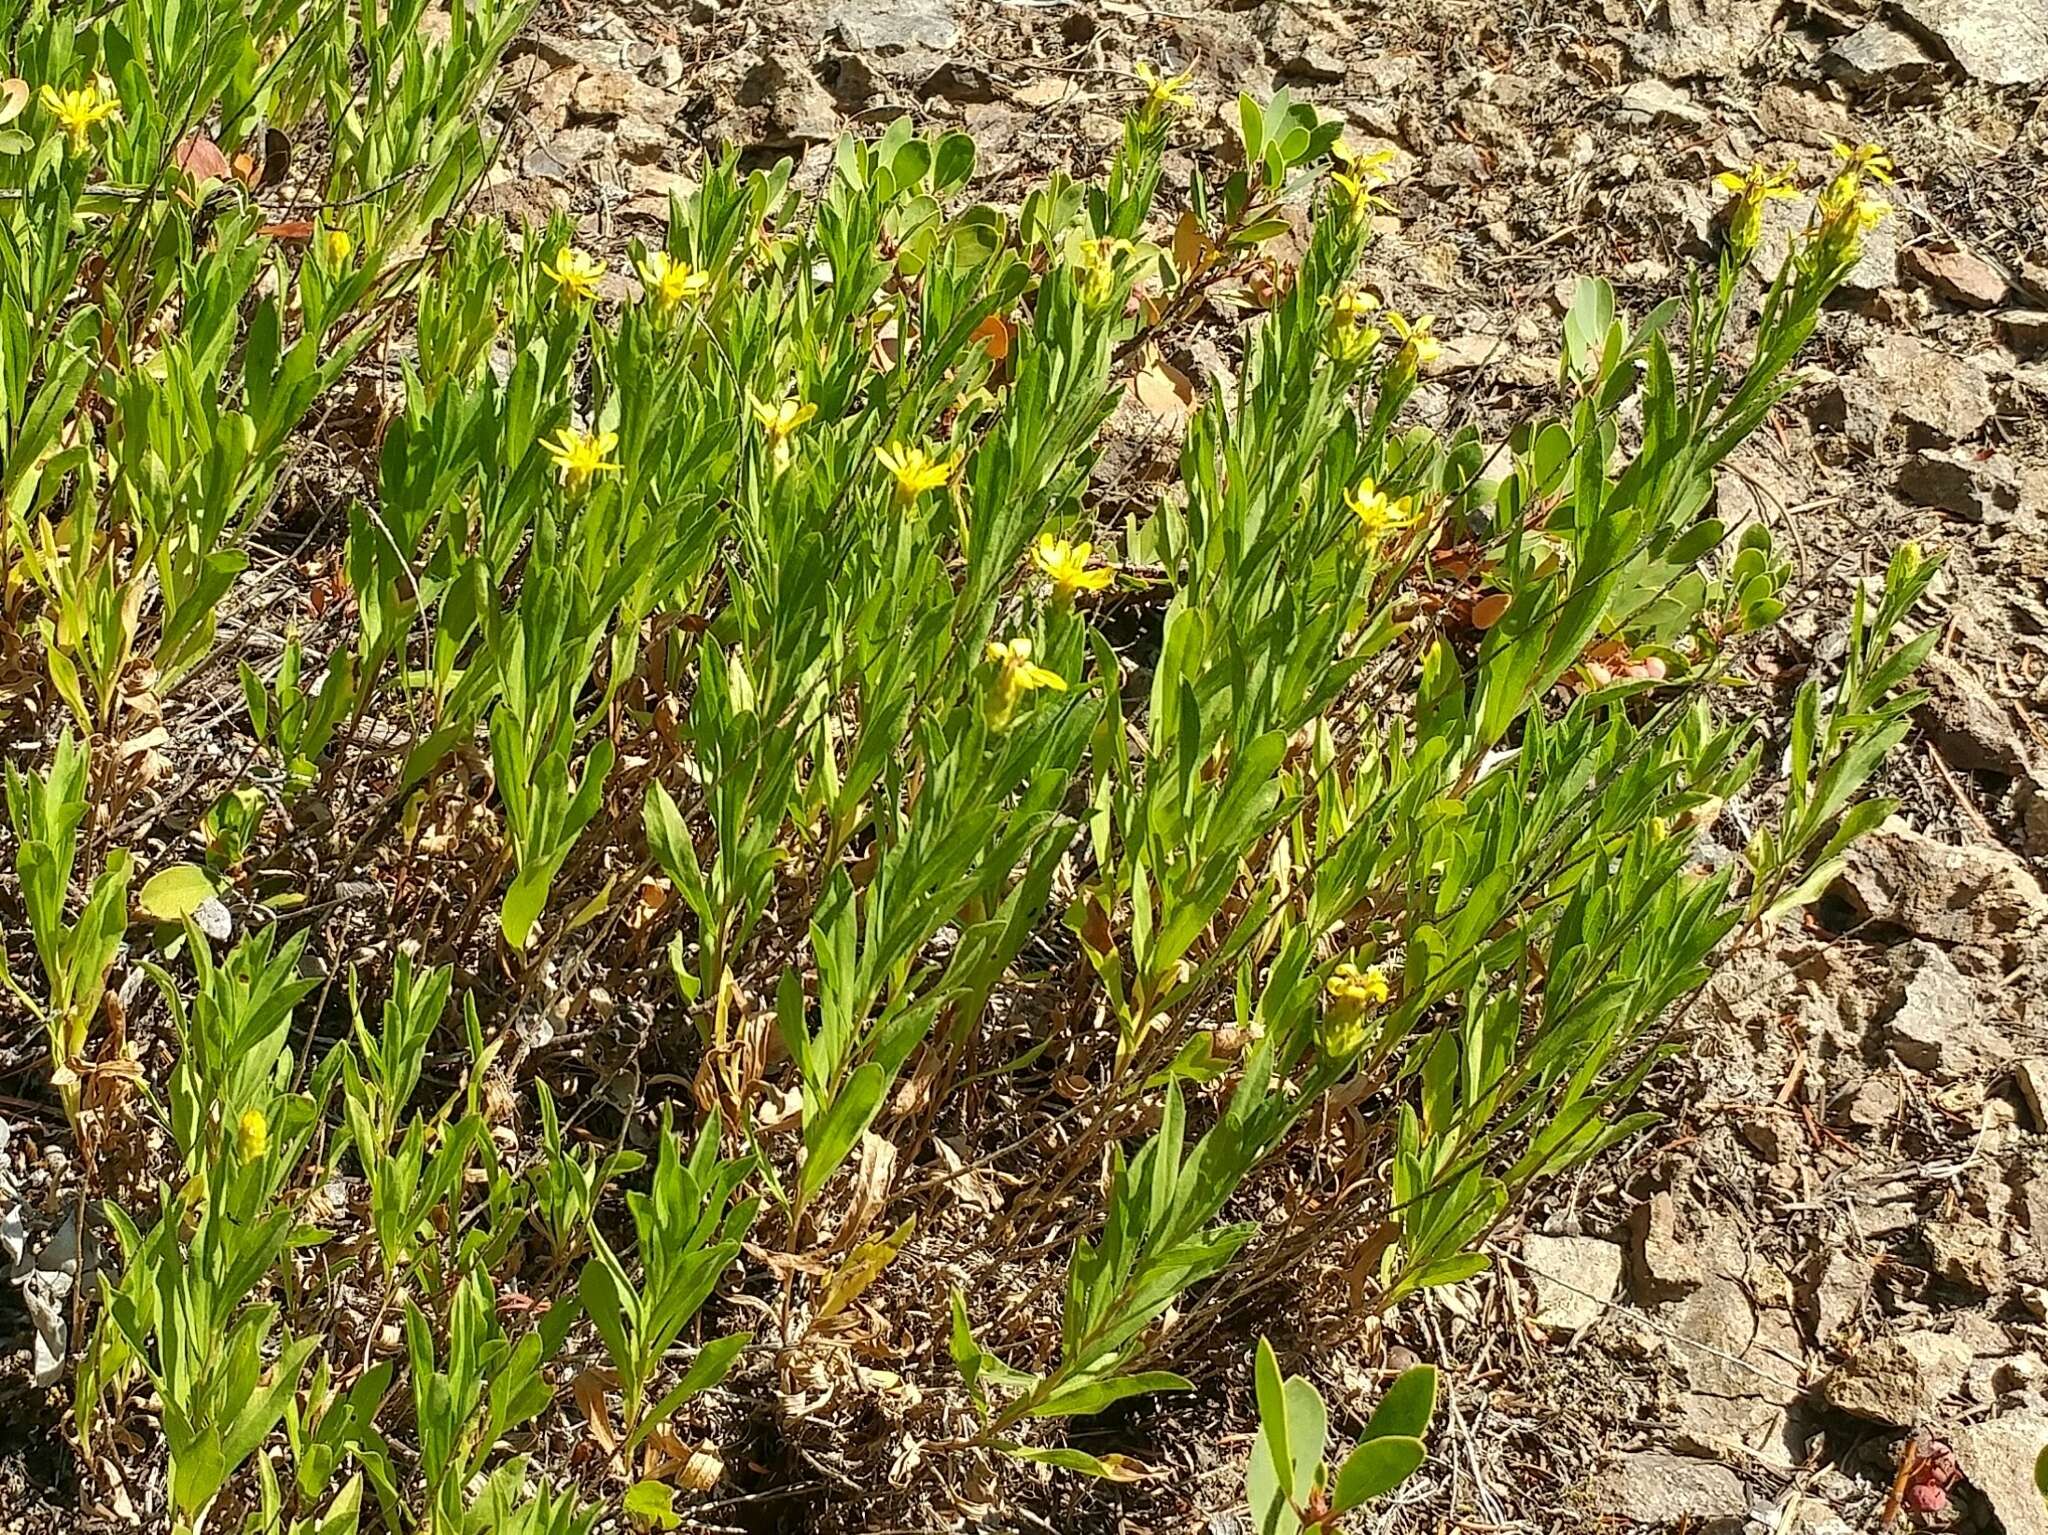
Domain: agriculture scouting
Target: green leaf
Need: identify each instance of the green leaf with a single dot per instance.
(829, 1138)
(1111, 1468)
(1405, 1410)
(651, 1506)
(1375, 1468)
(1272, 1396)
(173, 894)
(1083, 1397)
(713, 1363)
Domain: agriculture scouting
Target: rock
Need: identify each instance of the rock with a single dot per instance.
(1740, 1429)
(1972, 894)
(1955, 274)
(1875, 1103)
(2025, 331)
(1685, 213)
(1747, 1349)
(606, 95)
(896, 26)
(1462, 354)
(1933, 1028)
(1665, 1266)
(1879, 57)
(2033, 818)
(1653, 1487)
(1715, 38)
(1835, 1297)
(1965, 1252)
(641, 141)
(795, 108)
(1940, 400)
(1978, 487)
(2030, 1075)
(1802, 117)
(1997, 1458)
(1573, 1278)
(1999, 42)
(1900, 1381)
(957, 80)
(1299, 45)
(1655, 101)
(1856, 409)
(1968, 726)
(851, 82)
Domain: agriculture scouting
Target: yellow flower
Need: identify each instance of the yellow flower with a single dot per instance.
(338, 244)
(580, 456)
(1095, 262)
(916, 471)
(1066, 566)
(252, 1135)
(1377, 514)
(1350, 339)
(575, 273)
(781, 421)
(1351, 995)
(1860, 160)
(78, 109)
(1751, 192)
(1016, 675)
(1348, 306)
(1162, 91)
(1843, 222)
(1357, 177)
(672, 283)
(1418, 346)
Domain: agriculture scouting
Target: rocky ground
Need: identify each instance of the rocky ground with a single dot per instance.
(1817, 1299)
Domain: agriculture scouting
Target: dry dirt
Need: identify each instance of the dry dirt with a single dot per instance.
(1815, 1298)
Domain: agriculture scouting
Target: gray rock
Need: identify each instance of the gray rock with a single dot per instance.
(958, 80)
(1968, 726)
(1965, 1252)
(1653, 1487)
(1855, 408)
(2025, 331)
(1656, 101)
(795, 109)
(2000, 42)
(1998, 1459)
(1834, 1299)
(1713, 38)
(1978, 487)
(1933, 1027)
(1901, 1381)
(1573, 1278)
(1939, 399)
(1972, 894)
(1880, 57)
(896, 26)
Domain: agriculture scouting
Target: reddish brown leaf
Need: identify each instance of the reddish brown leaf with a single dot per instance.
(200, 158)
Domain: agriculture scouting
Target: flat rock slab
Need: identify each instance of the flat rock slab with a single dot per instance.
(2001, 42)
(897, 26)
(1652, 1487)
(1573, 1277)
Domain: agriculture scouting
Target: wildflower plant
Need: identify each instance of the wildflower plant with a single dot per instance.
(750, 631)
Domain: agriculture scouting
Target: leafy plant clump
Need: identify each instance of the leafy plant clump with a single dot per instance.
(745, 686)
